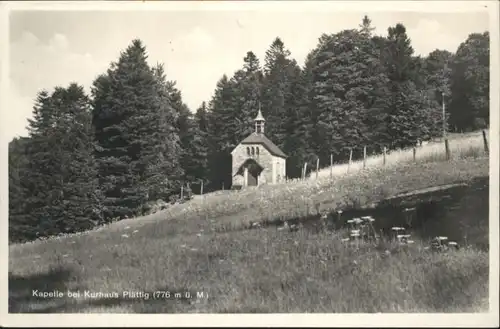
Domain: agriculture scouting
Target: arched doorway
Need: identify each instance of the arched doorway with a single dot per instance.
(253, 170)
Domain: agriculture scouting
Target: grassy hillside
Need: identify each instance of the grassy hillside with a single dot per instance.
(201, 247)
(461, 146)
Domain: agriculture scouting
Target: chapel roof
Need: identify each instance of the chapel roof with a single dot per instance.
(256, 138)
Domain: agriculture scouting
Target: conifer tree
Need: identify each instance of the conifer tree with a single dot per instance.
(133, 129)
(436, 71)
(195, 160)
(339, 122)
(59, 182)
(42, 174)
(18, 164)
(170, 172)
(471, 83)
(298, 123)
(408, 114)
(81, 199)
(223, 116)
(349, 88)
(279, 72)
(247, 94)
(371, 90)
(223, 126)
(186, 126)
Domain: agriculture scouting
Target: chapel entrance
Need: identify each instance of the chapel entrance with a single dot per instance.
(253, 170)
(252, 178)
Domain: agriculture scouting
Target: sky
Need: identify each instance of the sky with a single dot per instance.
(54, 48)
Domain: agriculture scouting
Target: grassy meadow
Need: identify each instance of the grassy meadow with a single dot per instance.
(206, 247)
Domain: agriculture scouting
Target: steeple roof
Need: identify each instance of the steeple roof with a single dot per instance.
(259, 117)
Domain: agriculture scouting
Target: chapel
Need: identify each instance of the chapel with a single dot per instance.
(257, 160)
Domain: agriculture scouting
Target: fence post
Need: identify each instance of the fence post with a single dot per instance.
(414, 154)
(201, 190)
(364, 157)
(304, 171)
(447, 148)
(223, 186)
(182, 192)
(485, 140)
(385, 151)
(317, 167)
(350, 160)
(331, 165)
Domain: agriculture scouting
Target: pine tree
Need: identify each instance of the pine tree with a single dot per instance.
(167, 177)
(223, 116)
(365, 27)
(409, 117)
(371, 90)
(223, 126)
(196, 157)
(133, 121)
(42, 173)
(436, 71)
(81, 201)
(59, 181)
(315, 139)
(18, 164)
(113, 96)
(339, 122)
(470, 83)
(247, 94)
(298, 123)
(186, 127)
(349, 88)
(279, 72)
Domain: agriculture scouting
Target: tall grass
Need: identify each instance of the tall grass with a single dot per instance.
(266, 271)
(461, 146)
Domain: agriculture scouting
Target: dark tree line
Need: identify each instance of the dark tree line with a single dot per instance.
(92, 159)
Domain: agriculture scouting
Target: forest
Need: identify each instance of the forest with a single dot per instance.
(90, 159)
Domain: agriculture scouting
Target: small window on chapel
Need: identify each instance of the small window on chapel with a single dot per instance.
(257, 151)
(253, 150)
(248, 150)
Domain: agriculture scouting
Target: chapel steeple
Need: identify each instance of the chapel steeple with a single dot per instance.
(259, 122)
